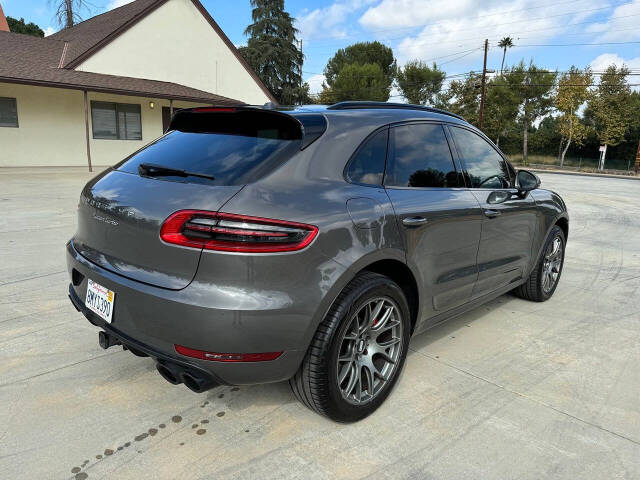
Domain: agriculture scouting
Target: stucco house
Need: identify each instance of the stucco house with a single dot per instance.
(96, 92)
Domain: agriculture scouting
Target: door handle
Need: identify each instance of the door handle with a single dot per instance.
(414, 221)
(490, 213)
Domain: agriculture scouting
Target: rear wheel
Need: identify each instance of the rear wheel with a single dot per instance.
(357, 352)
(544, 278)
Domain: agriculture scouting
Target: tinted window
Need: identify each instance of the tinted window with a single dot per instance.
(368, 164)
(484, 167)
(116, 121)
(420, 157)
(8, 112)
(231, 159)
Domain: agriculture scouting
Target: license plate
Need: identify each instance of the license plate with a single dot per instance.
(100, 300)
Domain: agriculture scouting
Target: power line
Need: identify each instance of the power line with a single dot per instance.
(515, 22)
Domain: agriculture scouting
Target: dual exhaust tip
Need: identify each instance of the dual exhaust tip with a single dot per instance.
(171, 372)
(176, 374)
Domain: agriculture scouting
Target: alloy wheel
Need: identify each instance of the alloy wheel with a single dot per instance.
(370, 350)
(552, 264)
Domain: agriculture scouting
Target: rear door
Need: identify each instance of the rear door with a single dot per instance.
(439, 219)
(509, 219)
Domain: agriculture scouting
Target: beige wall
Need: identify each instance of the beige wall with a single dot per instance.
(175, 43)
(51, 128)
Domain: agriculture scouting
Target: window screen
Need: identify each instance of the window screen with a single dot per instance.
(368, 164)
(116, 121)
(8, 112)
(484, 166)
(420, 157)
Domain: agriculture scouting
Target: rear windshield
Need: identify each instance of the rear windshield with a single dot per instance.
(234, 148)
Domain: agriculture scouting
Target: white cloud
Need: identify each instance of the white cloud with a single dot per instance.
(621, 26)
(49, 31)
(328, 22)
(601, 62)
(315, 83)
(458, 25)
(117, 3)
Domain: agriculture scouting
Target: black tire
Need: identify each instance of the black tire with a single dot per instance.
(532, 289)
(315, 383)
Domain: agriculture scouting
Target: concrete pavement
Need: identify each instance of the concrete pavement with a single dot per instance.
(511, 390)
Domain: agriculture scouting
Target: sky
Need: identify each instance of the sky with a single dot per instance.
(554, 34)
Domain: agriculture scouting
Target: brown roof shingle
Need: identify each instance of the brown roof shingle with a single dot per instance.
(34, 60)
(51, 60)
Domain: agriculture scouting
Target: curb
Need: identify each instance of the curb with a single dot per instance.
(585, 174)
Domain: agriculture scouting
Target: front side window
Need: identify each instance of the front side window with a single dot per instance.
(484, 166)
(8, 112)
(367, 166)
(116, 121)
(419, 156)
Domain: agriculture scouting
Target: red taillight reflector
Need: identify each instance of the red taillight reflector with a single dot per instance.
(235, 233)
(226, 357)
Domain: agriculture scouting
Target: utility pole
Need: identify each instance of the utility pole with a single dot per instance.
(484, 83)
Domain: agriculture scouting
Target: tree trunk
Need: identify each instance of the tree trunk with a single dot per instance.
(68, 7)
(525, 138)
(498, 142)
(564, 152)
(504, 54)
(560, 148)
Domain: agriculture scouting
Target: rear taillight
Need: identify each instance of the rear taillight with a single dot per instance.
(226, 357)
(235, 233)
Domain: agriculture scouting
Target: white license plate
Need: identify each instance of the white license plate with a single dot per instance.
(100, 300)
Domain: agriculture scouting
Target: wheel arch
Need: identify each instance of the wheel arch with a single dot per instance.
(400, 273)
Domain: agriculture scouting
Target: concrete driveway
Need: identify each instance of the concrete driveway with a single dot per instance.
(512, 390)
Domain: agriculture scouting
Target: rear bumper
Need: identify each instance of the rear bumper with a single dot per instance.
(153, 319)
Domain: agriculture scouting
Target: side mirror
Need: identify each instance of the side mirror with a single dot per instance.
(526, 181)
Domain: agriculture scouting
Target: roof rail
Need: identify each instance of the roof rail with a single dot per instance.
(406, 106)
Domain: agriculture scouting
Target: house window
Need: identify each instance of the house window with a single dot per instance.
(8, 112)
(116, 121)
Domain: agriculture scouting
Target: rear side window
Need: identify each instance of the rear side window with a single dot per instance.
(367, 166)
(419, 156)
(234, 148)
(484, 166)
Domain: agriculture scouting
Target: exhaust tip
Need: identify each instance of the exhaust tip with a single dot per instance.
(167, 374)
(193, 384)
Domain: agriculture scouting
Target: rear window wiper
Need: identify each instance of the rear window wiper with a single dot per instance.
(153, 170)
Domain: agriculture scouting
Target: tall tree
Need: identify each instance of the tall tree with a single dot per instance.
(462, 98)
(272, 51)
(68, 11)
(611, 106)
(419, 83)
(501, 106)
(505, 43)
(364, 53)
(18, 26)
(357, 81)
(535, 87)
(572, 92)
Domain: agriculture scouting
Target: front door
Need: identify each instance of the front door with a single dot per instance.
(509, 219)
(439, 219)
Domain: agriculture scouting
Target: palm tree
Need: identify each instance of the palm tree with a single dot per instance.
(506, 42)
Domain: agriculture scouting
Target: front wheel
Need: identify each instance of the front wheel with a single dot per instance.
(545, 276)
(357, 352)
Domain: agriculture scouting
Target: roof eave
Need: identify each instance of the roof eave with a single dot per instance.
(119, 91)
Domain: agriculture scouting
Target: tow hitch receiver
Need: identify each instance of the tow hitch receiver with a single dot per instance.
(105, 340)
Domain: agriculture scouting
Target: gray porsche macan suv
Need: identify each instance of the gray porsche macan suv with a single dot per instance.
(252, 245)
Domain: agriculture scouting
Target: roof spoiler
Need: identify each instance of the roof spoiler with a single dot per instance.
(306, 126)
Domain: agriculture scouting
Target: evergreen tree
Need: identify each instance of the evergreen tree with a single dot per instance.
(272, 51)
(419, 83)
(18, 26)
